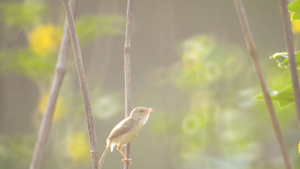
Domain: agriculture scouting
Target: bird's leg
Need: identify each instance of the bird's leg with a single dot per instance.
(126, 159)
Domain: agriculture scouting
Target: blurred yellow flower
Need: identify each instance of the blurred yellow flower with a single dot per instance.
(44, 40)
(78, 146)
(295, 25)
(60, 110)
(299, 147)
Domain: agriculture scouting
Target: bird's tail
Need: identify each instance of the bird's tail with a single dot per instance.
(104, 154)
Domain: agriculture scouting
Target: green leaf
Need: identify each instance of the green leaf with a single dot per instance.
(283, 97)
(295, 16)
(282, 59)
(294, 6)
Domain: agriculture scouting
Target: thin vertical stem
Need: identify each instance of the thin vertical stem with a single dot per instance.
(127, 71)
(60, 72)
(288, 36)
(83, 84)
(252, 50)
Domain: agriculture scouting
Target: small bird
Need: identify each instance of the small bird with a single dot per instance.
(125, 131)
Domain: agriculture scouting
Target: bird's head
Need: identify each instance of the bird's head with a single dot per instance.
(141, 112)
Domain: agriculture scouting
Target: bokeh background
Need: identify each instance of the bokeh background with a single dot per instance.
(189, 63)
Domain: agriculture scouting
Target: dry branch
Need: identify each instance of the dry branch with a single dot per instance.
(60, 72)
(127, 72)
(83, 84)
(252, 50)
(288, 36)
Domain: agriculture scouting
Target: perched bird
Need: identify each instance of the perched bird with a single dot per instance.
(125, 131)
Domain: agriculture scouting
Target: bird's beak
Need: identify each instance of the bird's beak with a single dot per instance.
(150, 110)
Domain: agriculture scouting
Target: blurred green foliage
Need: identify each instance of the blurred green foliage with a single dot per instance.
(295, 8)
(210, 131)
(34, 57)
(90, 27)
(282, 59)
(24, 62)
(28, 16)
(205, 62)
(23, 14)
(107, 105)
(220, 126)
(285, 96)
(15, 151)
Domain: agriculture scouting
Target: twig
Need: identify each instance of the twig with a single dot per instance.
(288, 36)
(60, 72)
(252, 50)
(127, 72)
(83, 85)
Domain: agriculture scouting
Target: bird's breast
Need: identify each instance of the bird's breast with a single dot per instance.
(128, 136)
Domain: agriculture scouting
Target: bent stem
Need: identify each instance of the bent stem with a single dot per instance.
(83, 84)
(252, 50)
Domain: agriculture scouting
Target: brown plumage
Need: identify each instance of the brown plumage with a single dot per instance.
(125, 131)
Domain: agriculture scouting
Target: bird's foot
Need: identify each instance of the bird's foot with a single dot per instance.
(127, 160)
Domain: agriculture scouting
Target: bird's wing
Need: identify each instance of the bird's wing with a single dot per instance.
(123, 127)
